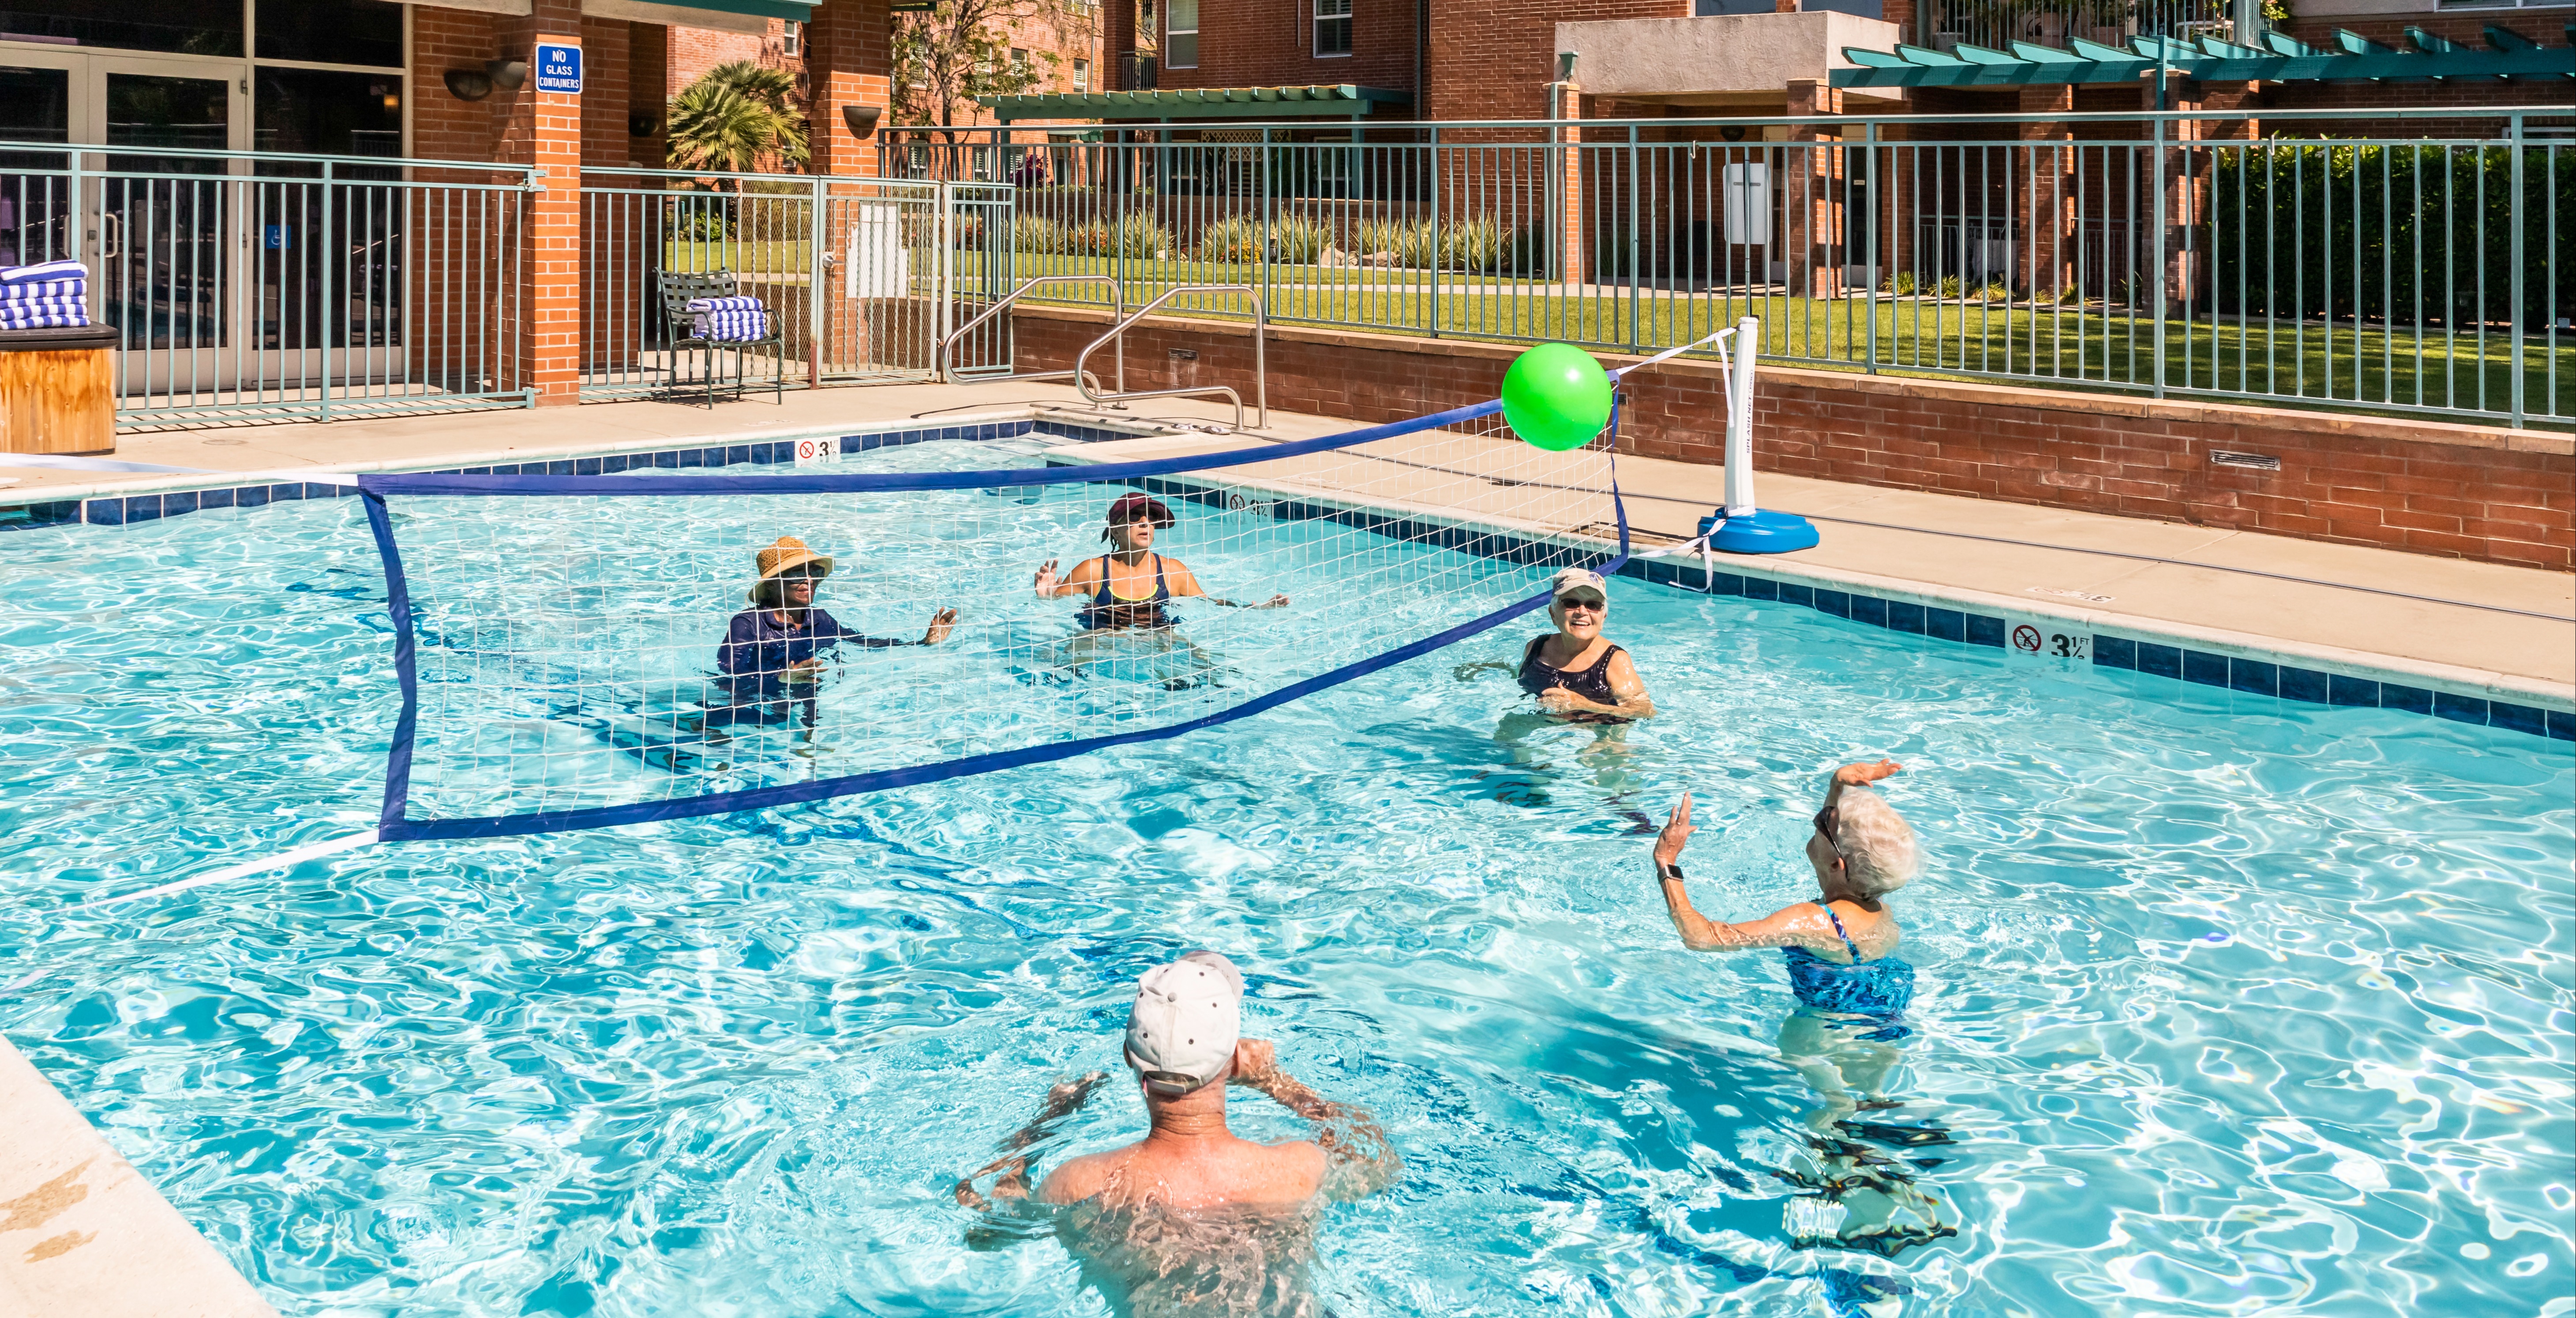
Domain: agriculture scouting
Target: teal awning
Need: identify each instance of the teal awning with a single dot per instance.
(794, 10)
(2281, 59)
(1188, 104)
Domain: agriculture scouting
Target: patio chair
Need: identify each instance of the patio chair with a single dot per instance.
(678, 289)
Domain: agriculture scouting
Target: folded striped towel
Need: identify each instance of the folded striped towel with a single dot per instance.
(47, 295)
(47, 313)
(43, 272)
(729, 319)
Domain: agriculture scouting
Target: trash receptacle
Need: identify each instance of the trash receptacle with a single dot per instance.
(58, 390)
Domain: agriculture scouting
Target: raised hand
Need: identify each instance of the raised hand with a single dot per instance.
(941, 623)
(1274, 602)
(1853, 775)
(1256, 1062)
(1676, 834)
(1046, 582)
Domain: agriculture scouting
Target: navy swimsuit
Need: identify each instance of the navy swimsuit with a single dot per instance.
(1876, 991)
(1108, 608)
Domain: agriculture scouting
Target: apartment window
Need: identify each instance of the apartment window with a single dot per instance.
(791, 36)
(1019, 64)
(1332, 28)
(1082, 75)
(1181, 34)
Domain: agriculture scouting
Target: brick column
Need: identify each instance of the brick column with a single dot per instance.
(1807, 194)
(2044, 248)
(1117, 43)
(2186, 173)
(848, 61)
(544, 129)
(1573, 209)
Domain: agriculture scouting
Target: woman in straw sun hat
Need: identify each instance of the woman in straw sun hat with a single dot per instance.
(772, 650)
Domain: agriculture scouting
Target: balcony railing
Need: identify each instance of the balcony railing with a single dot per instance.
(1996, 23)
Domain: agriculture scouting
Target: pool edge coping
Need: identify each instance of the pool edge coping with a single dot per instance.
(120, 1249)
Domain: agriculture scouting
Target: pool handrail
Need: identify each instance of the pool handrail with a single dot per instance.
(1118, 330)
(1117, 307)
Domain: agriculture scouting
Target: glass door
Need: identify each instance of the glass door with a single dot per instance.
(166, 225)
(38, 104)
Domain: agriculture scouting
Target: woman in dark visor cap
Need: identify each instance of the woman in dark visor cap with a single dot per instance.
(1129, 586)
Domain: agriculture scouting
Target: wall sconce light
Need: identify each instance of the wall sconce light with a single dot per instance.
(641, 123)
(861, 119)
(468, 84)
(1732, 132)
(506, 74)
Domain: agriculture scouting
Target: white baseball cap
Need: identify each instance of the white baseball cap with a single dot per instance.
(1579, 578)
(1182, 1030)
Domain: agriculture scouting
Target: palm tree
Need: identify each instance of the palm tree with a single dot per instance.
(734, 116)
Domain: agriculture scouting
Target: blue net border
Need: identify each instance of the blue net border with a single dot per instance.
(393, 825)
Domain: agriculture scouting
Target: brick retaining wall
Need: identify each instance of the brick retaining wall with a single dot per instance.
(2478, 492)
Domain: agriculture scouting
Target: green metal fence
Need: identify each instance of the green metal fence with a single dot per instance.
(2397, 261)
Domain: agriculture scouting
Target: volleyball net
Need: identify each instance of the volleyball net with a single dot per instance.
(585, 651)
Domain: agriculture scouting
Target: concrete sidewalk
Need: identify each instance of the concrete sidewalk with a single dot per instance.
(2471, 624)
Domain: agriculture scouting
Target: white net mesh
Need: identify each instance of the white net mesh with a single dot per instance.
(572, 651)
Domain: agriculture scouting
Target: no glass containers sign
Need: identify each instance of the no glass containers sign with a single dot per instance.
(559, 69)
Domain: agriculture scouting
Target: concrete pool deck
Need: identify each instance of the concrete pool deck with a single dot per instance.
(2473, 626)
(82, 1233)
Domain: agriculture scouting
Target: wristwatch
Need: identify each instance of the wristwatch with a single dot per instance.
(1669, 873)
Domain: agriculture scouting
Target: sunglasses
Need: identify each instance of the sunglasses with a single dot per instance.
(1827, 820)
(1570, 604)
(801, 579)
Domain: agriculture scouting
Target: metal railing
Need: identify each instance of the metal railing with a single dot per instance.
(1117, 333)
(1995, 24)
(950, 373)
(2406, 261)
(859, 274)
(264, 286)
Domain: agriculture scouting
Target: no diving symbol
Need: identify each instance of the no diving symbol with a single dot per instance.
(1235, 503)
(2026, 638)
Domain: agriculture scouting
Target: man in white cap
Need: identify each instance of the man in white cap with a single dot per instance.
(1184, 1044)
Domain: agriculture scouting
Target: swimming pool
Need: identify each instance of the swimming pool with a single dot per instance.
(2230, 1004)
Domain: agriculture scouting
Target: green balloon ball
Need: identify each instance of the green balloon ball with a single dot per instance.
(1556, 397)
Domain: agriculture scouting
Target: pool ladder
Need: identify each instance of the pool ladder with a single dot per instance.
(1088, 385)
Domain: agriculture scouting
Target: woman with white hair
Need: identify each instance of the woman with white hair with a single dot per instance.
(1842, 947)
(1853, 991)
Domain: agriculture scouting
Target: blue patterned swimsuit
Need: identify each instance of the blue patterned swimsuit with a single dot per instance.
(1875, 991)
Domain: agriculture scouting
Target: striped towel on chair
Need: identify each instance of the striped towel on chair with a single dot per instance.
(730, 319)
(52, 295)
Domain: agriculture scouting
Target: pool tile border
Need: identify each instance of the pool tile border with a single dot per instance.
(132, 509)
(2126, 653)
(1958, 626)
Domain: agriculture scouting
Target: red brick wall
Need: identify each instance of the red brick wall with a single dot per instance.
(1271, 43)
(1491, 59)
(2456, 491)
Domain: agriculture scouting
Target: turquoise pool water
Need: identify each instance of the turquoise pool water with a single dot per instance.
(2229, 1006)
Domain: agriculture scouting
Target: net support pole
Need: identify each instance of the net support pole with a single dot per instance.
(1740, 525)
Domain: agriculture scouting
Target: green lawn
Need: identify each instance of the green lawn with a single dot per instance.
(2368, 368)
(2349, 368)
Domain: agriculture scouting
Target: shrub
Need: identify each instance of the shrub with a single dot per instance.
(1036, 233)
(1236, 238)
(1901, 284)
(1413, 242)
(1950, 286)
(1475, 246)
(1135, 235)
(1298, 240)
